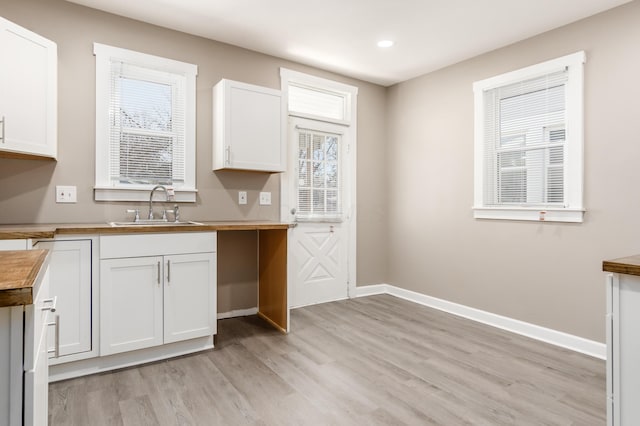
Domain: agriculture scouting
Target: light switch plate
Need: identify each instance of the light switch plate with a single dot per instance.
(66, 194)
(265, 198)
(242, 197)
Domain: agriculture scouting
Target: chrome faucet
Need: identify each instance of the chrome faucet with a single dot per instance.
(166, 197)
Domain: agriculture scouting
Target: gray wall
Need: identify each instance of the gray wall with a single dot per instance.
(548, 274)
(27, 187)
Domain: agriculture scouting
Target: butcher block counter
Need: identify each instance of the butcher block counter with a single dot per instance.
(18, 273)
(42, 231)
(272, 252)
(625, 265)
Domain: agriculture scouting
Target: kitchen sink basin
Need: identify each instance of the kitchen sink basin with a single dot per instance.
(154, 223)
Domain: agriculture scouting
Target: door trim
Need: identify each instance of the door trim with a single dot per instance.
(350, 130)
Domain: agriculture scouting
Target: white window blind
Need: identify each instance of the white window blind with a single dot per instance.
(311, 101)
(147, 126)
(525, 142)
(319, 175)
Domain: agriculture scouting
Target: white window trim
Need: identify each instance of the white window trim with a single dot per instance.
(573, 211)
(104, 190)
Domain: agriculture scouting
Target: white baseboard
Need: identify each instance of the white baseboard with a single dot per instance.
(237, 313)
(554, 337)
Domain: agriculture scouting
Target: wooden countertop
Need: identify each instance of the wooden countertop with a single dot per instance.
(18, 272)
(625, 265)
(47, 231)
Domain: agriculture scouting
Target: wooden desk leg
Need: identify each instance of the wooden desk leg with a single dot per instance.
(272, 284)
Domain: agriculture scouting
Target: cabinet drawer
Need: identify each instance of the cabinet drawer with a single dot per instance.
(132, 245)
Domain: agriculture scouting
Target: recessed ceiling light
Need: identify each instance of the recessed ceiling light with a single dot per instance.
(385, 43)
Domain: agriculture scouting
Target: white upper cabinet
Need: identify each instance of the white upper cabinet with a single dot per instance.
(248, 128)
(28, 93)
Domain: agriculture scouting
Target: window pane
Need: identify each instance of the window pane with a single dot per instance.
(513, 186)
(145, 159)
(332, 148)
(319, 183)
(332, 201)
(318, 200)
(145, 105)
(303, 174)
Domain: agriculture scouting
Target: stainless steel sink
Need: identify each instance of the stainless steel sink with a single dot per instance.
(155, 223)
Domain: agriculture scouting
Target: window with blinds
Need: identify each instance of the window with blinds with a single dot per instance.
(145, 124)
(529, 143)
(319, 175)
(524, 142)
(147, 135)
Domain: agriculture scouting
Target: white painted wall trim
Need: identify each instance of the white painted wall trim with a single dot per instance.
(237, 313)
(554, 337)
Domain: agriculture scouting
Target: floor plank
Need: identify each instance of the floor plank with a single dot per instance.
(377, 360)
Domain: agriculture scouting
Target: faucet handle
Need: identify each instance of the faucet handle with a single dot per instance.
(175, 212)
(137, 212)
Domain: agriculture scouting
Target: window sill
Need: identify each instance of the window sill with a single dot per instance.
(529, 214)
(141, 194)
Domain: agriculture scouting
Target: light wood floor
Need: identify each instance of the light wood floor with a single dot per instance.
(376, 360)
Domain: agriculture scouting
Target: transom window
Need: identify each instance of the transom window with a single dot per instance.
(529, 143)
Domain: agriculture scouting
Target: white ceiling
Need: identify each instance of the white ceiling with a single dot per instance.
(341, 35)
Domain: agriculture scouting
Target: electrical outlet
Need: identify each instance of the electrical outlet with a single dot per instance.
(66, 194)
(265, 198)
(242, 197)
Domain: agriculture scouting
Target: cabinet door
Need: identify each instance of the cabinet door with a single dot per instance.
(130, 304)
(70, 269)
(189, 296)
(248, 126)
(28, 92)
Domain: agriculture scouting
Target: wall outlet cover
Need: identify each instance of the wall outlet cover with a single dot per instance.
(66, 194)
(265, 198)
(242, 197)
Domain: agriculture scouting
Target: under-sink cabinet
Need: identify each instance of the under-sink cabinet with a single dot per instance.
(72, 266)
(156, 289)
(28, 93)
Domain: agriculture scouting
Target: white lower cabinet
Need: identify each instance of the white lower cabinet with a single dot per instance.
(189, 296)
(623, 349)
(156, 289)
(24, 367)
(71, 268)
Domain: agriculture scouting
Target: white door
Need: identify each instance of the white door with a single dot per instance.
(189, 296)
(320, 205)
(130, 304)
